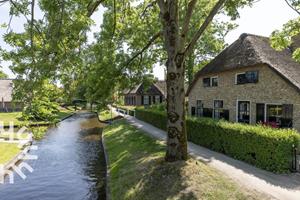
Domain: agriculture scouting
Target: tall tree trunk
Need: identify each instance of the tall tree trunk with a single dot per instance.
(176, 140)
(174, 41)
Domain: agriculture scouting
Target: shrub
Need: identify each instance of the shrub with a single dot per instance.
(264, 147)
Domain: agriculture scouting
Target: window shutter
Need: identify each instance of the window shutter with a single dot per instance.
(226, 115)
(142, 100)
(193, 111)
(287, 111)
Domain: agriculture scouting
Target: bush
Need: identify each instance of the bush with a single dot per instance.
(264, 147)
(154, 117)
(41, 110)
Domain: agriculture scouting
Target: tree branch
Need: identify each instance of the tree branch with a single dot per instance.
(150, 42)
(202, 28)
(147, 7)
(188, 17)
(93, 6)
(292, 7)
(32, 23)
(28, 21)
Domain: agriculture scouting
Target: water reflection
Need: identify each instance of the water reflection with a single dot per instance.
(71, 164)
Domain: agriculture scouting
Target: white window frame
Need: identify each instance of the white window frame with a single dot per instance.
(236, 75)
(237, 110)
(211, 78)
(217, 108)
(271, 104)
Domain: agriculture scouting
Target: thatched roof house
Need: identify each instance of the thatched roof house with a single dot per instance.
(251, 50)
(249, 82)
(140, 95)
(6, 96)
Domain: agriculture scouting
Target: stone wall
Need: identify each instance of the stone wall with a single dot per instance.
(270, 89)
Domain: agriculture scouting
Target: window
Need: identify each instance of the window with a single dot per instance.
(206, 82)
(252, 76)
(146, 100)
(214, 81)
(244, 111)
(247, 77)
(199, 108)
(219, 112)
(210, 82)
(218, 104)
(157, 99)
(280, 115)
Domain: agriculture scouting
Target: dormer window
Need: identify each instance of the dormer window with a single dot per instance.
(247, 77)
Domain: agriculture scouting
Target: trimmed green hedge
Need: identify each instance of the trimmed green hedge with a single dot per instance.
(264, 147)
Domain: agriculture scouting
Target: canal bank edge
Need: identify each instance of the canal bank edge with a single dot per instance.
(20, 156)
(107, 178)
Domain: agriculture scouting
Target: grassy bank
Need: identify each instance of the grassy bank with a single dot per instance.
(16, 118)
(138, 171)
(106, 115)
(8, 151)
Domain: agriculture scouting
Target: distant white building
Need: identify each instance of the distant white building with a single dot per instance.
(6, 99)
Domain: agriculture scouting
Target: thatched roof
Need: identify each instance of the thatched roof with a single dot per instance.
(156, 88)
(162, 86)
(6, 90)
(251, 50)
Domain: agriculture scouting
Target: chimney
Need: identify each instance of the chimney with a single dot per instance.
(295, 43)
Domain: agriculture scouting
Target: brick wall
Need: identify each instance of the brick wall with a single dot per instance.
(271, 88)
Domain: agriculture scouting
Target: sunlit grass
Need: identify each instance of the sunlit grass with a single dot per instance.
(8, 152)
(15, 136)
(138, 171)
(106, 115)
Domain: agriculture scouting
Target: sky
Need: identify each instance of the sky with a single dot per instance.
(262, 18)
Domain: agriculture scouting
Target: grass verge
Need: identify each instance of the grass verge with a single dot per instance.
(8, 151)
(138, 171)
(106, 115)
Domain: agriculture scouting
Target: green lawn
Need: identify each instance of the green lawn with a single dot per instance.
(138, 171)
(15, 136)
(106, 115)
(16, 117)
(8, 151)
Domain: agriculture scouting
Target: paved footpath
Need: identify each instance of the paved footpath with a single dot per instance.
(282, 187)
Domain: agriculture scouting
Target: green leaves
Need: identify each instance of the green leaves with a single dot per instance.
(282, 39)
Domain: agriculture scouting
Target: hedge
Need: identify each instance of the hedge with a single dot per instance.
(263, 147)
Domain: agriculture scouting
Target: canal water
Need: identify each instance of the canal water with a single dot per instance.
(70, 164)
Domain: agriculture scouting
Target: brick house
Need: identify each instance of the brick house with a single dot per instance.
(249, 82)
(141, 95)
(6, 99)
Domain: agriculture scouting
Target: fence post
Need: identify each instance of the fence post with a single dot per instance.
(296, 160)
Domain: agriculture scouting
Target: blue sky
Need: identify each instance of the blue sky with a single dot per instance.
(261, 19)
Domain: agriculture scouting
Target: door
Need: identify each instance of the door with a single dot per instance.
(244, 112)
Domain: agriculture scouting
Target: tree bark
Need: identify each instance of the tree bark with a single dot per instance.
(176, 128)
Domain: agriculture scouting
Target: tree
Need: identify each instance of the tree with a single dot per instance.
(175, 31)
(282, 39)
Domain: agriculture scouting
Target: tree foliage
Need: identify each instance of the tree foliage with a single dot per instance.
(282, 39)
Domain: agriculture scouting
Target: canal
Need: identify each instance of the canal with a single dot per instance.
(70, 164)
